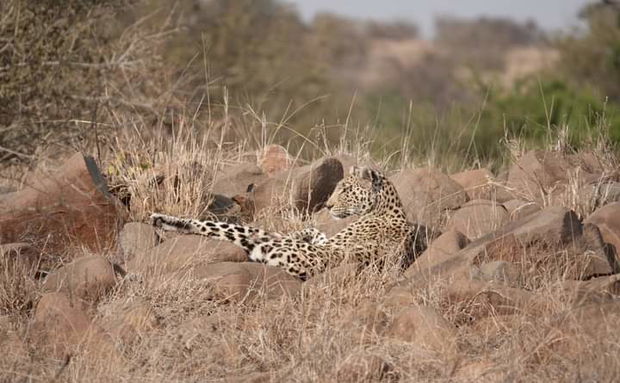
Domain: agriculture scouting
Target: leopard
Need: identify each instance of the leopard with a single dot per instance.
(380, 231)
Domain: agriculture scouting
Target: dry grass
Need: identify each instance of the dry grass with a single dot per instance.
(312, 338)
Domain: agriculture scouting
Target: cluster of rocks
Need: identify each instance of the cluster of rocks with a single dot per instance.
(502, 239)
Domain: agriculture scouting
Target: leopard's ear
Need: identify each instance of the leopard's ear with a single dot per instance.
(369, 174)
(355, 171)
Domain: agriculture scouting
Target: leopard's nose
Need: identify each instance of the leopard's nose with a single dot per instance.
(328, 205)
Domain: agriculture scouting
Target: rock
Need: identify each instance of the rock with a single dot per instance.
(480, 184)
(315, 185)
(367, 319)
(329, 225)
(274, 159)
(541, 173)
(184, 251)
(596, 321)
(361, 367)
(129, 321)
(441, 249)
(497, 326)
(595, 290)
(455, 267)
(607, 219)
(498, 271)
(552, 226)
(306, 188)
(481, 299)
(224, 208)
(245, 281)
(86, 278)
(398, 297)
(136, 238)
(518, 209)
(20, 258)
(554, 241)
(425, 327)
(59, 326)
(427, 194)
(235, 179)
(600, 194)
(72, 207)
(478, 217)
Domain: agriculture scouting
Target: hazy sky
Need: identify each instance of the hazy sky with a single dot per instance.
(549, 14)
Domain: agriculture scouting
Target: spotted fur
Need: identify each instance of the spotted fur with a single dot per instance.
(382, 229)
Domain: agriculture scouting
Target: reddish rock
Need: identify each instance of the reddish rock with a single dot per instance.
(518, 209)
(425, 327)
(482, 299)
(60, 326)
(70, 207)
(480, 184)
(595, 290)
(539, 173)
(185, 251)
(274, 159)
(607, 219)
(427, 194)
(136, 238)
(596, 321)
(245, 281)
(368, 319)
(235, 179)
(441, 249)
(477, 218)
(502, 272)
(20, 258)
(87, 278)
(131, 320)
(305, 188)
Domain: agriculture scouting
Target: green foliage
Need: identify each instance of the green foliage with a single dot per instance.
(593, 58)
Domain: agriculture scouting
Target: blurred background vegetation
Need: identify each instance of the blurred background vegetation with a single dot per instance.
(75, 69)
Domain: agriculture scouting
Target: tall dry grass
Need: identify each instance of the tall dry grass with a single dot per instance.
(336, 321)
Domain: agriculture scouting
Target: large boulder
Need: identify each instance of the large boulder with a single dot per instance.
(440, 250)
(607, 219)
(60, 326)
(425, 327)
(20, 258)
(273, 159)
(477, 218)
(235, 179)
(541, 173)
(553, 239)
(550, 242)
(184, 251)
(595, 290)
(127, 321)
(86, 278)
(427, 194)
(517, 208)
(135, 238)
(245, 281)
(481, 184)
(72, 206)
(305, 188)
